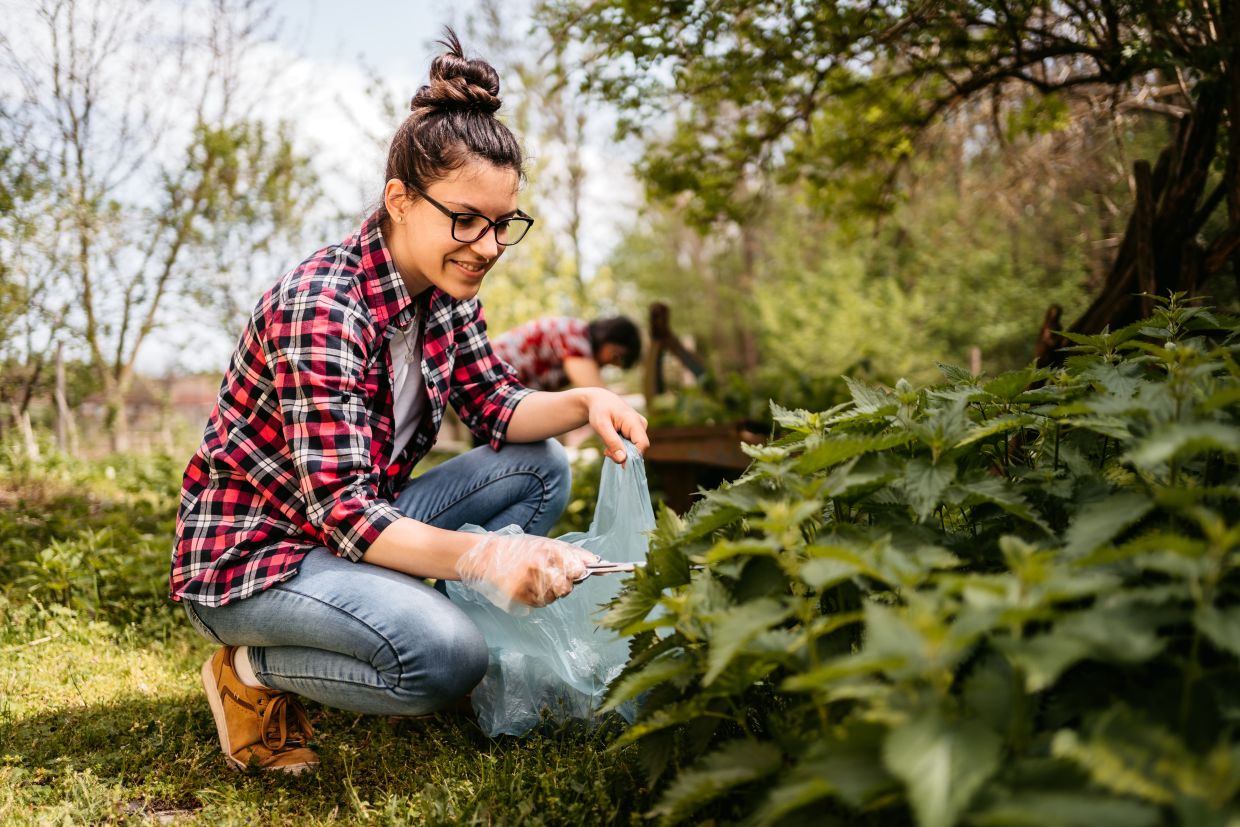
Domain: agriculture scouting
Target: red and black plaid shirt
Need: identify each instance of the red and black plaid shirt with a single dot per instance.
(298, 451)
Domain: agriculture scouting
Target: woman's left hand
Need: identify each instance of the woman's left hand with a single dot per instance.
(611, 417)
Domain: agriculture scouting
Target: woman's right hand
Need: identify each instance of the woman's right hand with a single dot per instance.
(511, 569)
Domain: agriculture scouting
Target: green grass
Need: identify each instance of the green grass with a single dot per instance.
(102, 718)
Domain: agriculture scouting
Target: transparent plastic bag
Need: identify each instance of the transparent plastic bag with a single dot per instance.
(556, 661)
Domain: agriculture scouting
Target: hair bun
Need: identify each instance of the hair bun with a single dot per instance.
(457, 83)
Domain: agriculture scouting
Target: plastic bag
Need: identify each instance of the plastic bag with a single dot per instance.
(557, 661)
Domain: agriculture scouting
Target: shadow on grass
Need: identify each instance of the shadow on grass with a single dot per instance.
(159, 758)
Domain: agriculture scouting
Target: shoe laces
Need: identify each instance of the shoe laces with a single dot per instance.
(280, 731)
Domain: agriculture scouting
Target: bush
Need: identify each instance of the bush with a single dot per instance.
(1013, 601)
(89, 537)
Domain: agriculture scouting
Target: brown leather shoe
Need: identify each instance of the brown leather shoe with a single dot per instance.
(262, 728)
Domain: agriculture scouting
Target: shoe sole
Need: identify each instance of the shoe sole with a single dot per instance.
(221, 726)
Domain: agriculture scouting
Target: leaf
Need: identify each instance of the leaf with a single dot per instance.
(988, 692)
(831, 565)
(924, 483)
(1000, 492)
(942, 764)
(735, 763)
(861, 474)
(1066, 809)
(1122, 380)
(658, 672)
(1221, 626)
(1101, 522)
(736, 628)
(1121, 634)
(836, 449)
(1008, 386)
(793, 420)
(791, 795)
(1174, 440)
(998, 425)
(955, 373)
(868, 399)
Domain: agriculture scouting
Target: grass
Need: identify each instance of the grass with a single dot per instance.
(102, 719)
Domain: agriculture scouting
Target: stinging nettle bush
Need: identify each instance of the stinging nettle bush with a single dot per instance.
(1007, 601)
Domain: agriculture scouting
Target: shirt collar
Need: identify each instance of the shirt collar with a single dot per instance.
(385, 291)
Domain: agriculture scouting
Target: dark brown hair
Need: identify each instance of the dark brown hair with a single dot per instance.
(451, 121)
(617, 330)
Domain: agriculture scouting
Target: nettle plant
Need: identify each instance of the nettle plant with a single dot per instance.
(1007, 601)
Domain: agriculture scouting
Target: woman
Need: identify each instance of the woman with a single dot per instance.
(301, 542)
(553, 352)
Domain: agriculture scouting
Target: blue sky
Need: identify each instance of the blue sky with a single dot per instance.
(390, 35)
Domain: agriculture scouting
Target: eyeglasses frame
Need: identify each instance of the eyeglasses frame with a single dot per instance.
(491, 225)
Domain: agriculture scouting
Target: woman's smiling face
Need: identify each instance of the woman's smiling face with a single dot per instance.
(419, 236)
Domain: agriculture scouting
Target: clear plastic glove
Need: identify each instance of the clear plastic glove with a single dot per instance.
(516, 571)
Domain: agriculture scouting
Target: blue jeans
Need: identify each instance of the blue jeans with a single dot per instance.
(368, 639)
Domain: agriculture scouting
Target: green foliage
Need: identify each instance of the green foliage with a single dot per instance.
(839, 94)
(993, 601)
(90, 538)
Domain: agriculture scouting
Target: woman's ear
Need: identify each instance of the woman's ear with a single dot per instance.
(396, 200)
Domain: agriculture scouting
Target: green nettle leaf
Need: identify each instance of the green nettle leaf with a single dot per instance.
(998, 491)
(1221, 626)
(1122, 634)
(1065, 809)
(793, 420)
(955, 373)
(740, 762)
(924, 484)
(834, 450)
(792, 794)
(861, 474)
(890, 634)
(868, 399)
(829, 565)
(989, 692)
(1177, 439)
(670, 668)
(996, 426)
(1101, 522)
(736, 628)
(1122, 380)
(942, 764)
(1008, 386)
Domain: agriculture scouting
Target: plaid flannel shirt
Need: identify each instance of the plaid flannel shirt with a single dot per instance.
(298, 451)
(536, 350)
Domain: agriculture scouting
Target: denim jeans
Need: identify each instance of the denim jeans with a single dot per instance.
(368, 639)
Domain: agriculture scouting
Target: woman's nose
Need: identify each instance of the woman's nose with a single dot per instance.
(487, 246)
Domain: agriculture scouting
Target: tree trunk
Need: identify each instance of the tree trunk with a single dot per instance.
(1159, 253)
(117, 417)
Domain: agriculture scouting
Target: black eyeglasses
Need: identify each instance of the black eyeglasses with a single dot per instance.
(468, 227)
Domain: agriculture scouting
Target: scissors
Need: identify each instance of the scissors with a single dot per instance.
(605, 567)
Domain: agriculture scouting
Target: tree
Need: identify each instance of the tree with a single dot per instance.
(163, 181)
(839, 95)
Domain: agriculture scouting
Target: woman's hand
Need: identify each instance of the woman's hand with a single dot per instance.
(522, 569)
(611, 417)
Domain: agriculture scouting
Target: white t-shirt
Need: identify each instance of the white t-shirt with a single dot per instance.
(409, 398)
